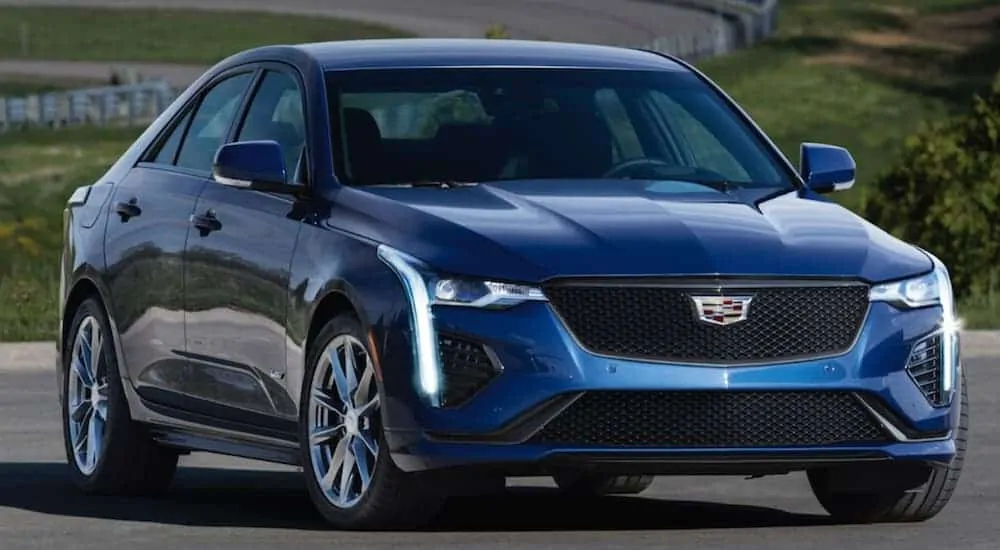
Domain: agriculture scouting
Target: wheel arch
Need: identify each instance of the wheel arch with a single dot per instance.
(333, 303)
(340, 298)
(356, 282)
(85, 287)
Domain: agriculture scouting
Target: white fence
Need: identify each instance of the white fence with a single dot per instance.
(132, 104)
(739, 24)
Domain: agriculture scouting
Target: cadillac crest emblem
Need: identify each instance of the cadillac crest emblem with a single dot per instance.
(722, 310)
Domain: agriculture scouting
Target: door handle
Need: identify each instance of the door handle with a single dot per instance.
(206, 223)
(129, 209)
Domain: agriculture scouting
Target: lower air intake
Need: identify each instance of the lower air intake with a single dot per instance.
(924, 366)
(713, 419)
(466, 367)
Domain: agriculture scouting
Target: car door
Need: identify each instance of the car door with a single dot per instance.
(145, 241)
(239, 257)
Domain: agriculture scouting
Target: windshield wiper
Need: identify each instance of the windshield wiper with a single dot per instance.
(437, 184)
(722, 185)
(443, 184)
(719, 185)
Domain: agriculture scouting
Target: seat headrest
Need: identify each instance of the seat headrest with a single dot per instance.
(364, 146)
(571, 144)
(361, 125)
(284, 132)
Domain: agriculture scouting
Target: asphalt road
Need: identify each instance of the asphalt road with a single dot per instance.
(631, 22)
(225, 503)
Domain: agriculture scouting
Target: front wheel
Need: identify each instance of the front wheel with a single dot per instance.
(920, 495)
(350, 477)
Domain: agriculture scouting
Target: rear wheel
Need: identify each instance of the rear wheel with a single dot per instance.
(107, 452)
(920, 492)
(593, 484)
(351, 478)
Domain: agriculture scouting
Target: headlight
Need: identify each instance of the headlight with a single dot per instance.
(484, 294)
(424, 290)
(912, 293)
(932, 289)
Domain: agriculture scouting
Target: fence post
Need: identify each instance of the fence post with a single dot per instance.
(63, 110)
(130, 105)
(33, 110)
(25, 39)
(102, 110)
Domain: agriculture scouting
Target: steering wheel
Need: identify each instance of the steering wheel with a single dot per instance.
(629, 167)
(659, 169)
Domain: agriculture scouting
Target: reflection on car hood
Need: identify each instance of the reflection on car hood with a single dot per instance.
(535, 230)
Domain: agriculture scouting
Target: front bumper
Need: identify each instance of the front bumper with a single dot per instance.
(545, 370)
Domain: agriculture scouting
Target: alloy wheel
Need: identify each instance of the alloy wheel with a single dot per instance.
(87, 395)
(343, 422)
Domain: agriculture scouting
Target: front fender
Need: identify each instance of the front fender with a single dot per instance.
(331, 267)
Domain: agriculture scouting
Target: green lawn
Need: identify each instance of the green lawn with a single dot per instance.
(22, 85)
(38, 170)
(863, 74)
(182, 36)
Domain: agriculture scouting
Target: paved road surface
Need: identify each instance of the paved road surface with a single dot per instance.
(223, 503)
(602, 21)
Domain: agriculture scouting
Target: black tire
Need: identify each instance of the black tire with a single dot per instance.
(592, 484)
(129, 462)
(898, 506)
(394, 499)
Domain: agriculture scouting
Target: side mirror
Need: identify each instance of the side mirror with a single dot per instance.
(258, 165)
(826, 168)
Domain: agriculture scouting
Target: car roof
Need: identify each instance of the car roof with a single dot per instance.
(464, 52)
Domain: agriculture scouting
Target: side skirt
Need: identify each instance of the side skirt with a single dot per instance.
(184, 440)
(184, 429)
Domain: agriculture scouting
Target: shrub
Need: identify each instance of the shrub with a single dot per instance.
(944, 195)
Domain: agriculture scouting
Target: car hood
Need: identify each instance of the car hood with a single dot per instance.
(531, 231)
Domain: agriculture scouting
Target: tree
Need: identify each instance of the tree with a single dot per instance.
(944, 195)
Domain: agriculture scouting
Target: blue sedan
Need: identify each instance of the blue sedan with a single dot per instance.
(416, 268)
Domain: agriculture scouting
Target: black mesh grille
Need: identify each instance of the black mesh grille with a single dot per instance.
(661, 323)
(705, 419)
(466, 367)
(924, 365)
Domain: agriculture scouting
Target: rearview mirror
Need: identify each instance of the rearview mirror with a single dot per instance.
(827, 168)
(258, 165)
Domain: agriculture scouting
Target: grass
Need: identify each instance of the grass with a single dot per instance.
(173, 35)
(23, 85)
(863, 74)
(38, 170)
(981, 312)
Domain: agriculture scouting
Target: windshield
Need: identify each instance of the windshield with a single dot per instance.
(472, 125)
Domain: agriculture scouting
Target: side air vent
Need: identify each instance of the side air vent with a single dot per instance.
(466, 366)
(924, 366)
